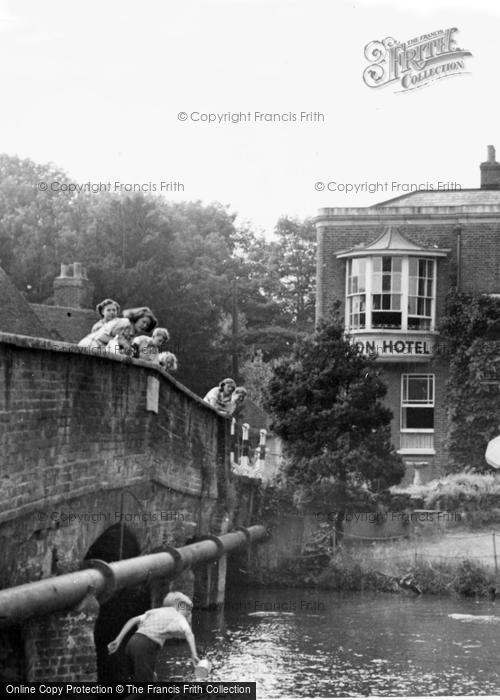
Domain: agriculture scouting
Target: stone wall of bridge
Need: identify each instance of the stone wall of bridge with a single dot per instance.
(88, 442)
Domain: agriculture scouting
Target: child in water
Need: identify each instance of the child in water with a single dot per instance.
(154, 627)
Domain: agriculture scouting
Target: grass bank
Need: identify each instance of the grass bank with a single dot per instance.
(396, 568)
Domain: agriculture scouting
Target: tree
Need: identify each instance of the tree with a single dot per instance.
(32, 214)
(276, 283)
(187, 261)
(256, 375)
(325, 400)
(294, 261)
(471, 333)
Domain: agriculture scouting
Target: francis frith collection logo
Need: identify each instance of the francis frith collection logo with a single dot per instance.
(414, 63)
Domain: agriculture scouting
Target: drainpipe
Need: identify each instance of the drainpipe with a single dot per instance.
(62, 592)
(458, 234)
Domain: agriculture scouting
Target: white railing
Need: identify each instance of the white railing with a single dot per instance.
(241, 462)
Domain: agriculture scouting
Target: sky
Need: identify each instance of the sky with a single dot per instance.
(97, 88)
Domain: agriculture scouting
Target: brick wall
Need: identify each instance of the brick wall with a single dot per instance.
(75, 436)
(61, 647)
(481, 258)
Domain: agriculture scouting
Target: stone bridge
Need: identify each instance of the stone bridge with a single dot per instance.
(102, 458)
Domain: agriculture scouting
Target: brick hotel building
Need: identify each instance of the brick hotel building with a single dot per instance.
(391, 266)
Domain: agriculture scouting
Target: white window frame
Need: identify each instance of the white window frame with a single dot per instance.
(417, 404)
(351, 295)
(405, 285)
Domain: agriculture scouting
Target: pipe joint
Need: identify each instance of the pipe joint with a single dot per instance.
(179, 564)
(107, 572)
(247, 534)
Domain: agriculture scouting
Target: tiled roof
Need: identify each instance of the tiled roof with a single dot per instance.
(66, 323)
(443, 198)
(16, 315)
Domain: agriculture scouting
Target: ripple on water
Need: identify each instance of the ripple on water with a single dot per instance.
(362, 645)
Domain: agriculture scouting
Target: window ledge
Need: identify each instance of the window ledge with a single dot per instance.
(416, 451)
(417, 431)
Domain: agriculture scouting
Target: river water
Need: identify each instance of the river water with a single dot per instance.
(299, 643)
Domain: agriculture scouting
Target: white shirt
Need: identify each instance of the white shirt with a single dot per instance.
(218, 399)
(160, 624)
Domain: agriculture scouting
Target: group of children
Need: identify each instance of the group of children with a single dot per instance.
(136, 333)
(126, 335)
(226, 397)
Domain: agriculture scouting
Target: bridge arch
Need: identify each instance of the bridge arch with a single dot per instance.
(117, 542)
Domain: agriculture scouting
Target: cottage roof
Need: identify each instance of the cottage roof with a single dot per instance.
(16, 315)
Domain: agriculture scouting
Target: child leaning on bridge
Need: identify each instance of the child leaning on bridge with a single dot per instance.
(153, 628)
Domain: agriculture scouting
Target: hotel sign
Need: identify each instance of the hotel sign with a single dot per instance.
(393, 347)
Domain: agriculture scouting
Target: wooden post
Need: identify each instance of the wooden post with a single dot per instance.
(245, 428)
(232, 456)
(261, 465)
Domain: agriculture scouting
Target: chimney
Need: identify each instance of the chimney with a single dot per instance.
(490, 172)
(72, 288)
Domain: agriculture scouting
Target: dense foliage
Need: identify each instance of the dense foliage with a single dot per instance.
(471, 329)
(326, 403)
(473, 499)
(190, 262)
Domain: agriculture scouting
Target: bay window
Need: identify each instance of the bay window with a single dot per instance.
(385, 292)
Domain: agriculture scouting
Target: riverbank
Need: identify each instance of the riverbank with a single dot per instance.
(440, 538)
(458, 563)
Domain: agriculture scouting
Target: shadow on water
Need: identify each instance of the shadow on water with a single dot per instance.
(317, 643)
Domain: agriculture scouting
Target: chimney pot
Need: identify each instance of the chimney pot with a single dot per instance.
(490, 172)
(73, 289)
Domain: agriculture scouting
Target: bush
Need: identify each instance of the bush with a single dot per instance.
(476, 496)
(472, 580)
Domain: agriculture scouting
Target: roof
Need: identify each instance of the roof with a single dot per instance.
(392, 241)
(443, 198)
(16, 315)
(65, 323)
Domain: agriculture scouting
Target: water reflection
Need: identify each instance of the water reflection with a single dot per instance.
(304, 643)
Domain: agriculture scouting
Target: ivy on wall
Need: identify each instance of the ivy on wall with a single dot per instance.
(471, 331)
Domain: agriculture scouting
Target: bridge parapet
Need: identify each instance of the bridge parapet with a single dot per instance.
(77, 432)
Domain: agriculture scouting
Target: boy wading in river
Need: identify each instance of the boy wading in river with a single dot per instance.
(154, 627)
